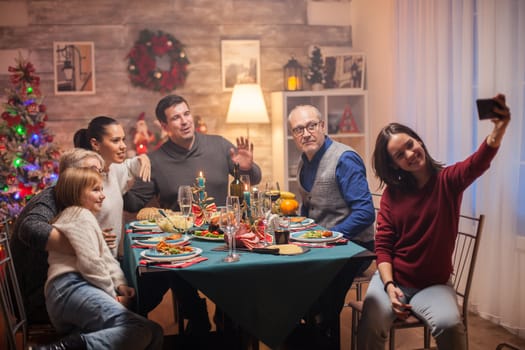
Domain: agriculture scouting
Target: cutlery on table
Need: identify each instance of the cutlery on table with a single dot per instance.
(163, 213)
(184, 263)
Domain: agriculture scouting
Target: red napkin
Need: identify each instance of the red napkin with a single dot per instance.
(175, 265)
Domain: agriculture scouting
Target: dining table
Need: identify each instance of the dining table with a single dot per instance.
(265, 294)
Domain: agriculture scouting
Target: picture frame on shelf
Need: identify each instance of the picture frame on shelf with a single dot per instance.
(240, 62)
(344, 68)
(74, 67)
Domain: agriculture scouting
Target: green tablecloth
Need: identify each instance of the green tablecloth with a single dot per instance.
(265, 294)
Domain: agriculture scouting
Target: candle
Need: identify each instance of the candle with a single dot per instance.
(292, 83)
(246, 196)
(201, 180)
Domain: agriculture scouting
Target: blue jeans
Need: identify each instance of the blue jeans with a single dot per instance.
(75, 306)
(437, 305)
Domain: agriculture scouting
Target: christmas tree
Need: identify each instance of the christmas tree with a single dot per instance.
(316, 72)
(29, 160)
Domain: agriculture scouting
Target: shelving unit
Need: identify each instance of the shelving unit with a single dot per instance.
(345, 115)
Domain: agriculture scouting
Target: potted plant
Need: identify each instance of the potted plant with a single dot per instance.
(315, 73)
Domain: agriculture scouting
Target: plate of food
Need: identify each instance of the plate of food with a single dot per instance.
(316, 236)
(144, 224)
(208, 236)
(170, 252)
(170, 238)
(300, 221)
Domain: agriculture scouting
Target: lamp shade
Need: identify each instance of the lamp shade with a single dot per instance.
(247, 105)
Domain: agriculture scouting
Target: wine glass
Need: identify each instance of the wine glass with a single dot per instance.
(265, 212)
(226, 218)
(273, 192)
(185, 198)
(233, 206)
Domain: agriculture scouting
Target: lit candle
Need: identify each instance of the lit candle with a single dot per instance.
(201, 180)
(246, 196)
(292, 83)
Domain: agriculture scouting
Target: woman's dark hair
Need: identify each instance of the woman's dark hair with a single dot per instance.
(166, 102)
(95, 130)
(384, 166)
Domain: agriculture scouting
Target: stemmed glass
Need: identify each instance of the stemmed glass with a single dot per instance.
(233, 205)
(185, 198)
(265, 212)
(272, 191)
(226, 224)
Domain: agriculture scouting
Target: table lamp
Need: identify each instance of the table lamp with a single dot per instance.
(247, 106)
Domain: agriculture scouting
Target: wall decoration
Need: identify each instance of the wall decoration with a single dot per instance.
(240, 62)
(74, 64)
(157, 62)
(316, 72)
(344, 68)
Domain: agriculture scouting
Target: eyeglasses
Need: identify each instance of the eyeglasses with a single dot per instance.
(311, 127)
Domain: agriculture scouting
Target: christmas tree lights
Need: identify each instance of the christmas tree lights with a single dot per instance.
(29, 160)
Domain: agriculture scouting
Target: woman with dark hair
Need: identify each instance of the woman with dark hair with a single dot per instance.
(105, 136)
(416, 231)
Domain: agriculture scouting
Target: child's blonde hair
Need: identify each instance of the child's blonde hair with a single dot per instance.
(72, 183)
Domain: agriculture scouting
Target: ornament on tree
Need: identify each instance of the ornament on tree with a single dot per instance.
(29, 161)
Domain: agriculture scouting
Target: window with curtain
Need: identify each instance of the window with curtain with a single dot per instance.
(448, 53)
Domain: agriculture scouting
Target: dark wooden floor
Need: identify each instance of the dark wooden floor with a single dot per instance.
(483, 335)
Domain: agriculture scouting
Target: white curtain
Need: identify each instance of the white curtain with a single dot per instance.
(448, 53)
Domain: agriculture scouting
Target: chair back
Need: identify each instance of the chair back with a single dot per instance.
(12, 307)
(464, 258)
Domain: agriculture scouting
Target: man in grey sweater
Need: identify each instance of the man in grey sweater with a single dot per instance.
(184, 155)
(178, 162)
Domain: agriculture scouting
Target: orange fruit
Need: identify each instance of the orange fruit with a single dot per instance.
(288, 206)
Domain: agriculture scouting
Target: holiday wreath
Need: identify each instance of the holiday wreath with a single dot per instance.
(157, 62)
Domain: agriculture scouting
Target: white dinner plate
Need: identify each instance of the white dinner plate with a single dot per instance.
(152, 240)
(154, 255)
(144, 224)
(304, 223)
(299, 236)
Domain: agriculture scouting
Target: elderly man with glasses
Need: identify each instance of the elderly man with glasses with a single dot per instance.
(335, 193)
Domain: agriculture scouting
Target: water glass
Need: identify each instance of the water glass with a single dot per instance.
(233, 206)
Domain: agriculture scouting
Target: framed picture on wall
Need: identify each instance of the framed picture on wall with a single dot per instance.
(74, 64)
(344, 68)
(240, 62)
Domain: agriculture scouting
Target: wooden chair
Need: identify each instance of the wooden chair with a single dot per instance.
(19, 333)
(13, 313)
(464, 261)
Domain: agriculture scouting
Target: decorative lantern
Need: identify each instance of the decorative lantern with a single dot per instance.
(293, 75)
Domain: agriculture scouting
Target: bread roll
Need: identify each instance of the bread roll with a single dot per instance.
(148, 213)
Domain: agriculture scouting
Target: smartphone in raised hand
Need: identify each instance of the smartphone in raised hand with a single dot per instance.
(486, 108)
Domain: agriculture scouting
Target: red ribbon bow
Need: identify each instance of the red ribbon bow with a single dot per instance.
(199, 214)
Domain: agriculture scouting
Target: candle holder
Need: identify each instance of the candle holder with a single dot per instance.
(202, 203)
(293, 75)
